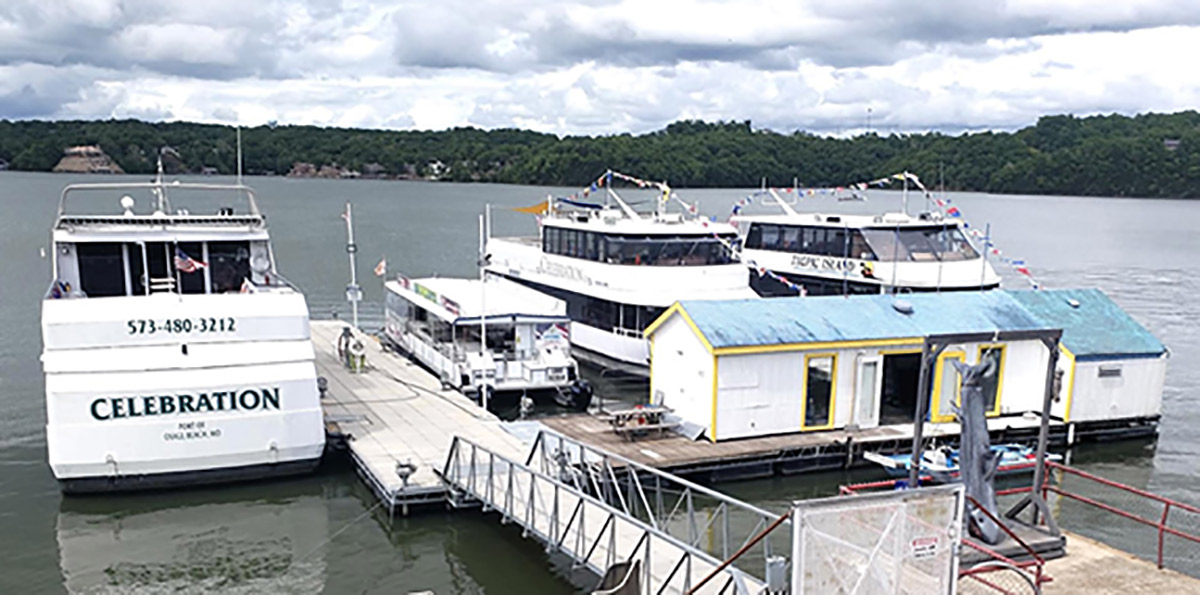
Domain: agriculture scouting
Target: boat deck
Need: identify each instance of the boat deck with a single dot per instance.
(396, 412)
(768, 455)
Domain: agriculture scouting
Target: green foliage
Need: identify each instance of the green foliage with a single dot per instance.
(1101, 155)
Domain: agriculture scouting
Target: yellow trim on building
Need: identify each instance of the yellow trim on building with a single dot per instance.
(712, 428)
(677, 308)
(824, 345)
(999, 373)
(833, 382)
(662, 318)
(652, 372)
(938, 379)
(1069, 389)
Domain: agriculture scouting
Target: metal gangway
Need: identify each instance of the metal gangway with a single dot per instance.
(601, 510)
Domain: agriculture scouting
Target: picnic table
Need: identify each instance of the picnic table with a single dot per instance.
(641, 420)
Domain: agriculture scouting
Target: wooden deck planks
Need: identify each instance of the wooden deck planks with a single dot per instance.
(671, 450)
(397, 412)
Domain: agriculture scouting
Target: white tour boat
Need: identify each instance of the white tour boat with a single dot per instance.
(442, 323)
(174, 353)
(618, 269)
(840, 254)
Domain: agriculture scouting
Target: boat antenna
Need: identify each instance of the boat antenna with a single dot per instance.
(160, 189)
(904, 197)
(353, 291)
(239, 157)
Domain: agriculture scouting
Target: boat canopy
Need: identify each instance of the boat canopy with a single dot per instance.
(462, 301)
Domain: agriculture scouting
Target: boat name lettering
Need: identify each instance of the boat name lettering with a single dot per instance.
(822, 263)
(248, 399)
(562, 270)
(181, 325)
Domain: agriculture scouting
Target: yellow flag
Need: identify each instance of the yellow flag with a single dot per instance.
(539, 209)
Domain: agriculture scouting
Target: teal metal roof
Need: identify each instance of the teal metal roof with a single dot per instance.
(1094, 327)
(737, 323)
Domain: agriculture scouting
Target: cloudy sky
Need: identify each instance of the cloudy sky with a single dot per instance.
(595, 67)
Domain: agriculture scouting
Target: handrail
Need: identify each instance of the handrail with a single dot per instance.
(452, 473)
(563, 439)
(1160, 523)
(161, 186)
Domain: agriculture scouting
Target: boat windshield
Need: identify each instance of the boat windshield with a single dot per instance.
(919, 244)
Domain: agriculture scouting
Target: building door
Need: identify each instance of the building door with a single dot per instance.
(901, 375)
(868, 382)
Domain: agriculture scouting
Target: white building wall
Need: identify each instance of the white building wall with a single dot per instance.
(758, 394)
(681, 372)
(1137, 392)
(1024, 375)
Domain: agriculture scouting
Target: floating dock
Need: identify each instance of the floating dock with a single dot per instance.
(783, 454)
(395, 413)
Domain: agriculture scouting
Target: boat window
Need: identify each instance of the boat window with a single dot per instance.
(945, 243)
(137, 268)
(754, 236)
(859, 248)
(229, 265)
(158, 267)
(886, 244)
(101, 269)
(835, 242)
(950, 243)
(791, 239)
(193, 281)
(550, 240)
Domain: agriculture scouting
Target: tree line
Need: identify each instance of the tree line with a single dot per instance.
(1149, 155)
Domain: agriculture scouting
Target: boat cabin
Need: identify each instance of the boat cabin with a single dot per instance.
(759, 367)
(443, 323)
(861, 254)
(155, 250)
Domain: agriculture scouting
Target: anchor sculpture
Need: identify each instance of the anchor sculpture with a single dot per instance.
(977, 462)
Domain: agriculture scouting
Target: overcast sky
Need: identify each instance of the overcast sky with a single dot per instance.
(598, 67)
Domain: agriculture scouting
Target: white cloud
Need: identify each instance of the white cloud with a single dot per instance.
(597, 66)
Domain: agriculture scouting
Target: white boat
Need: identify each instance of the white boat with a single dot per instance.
(618, 269)
(839, 254)
(174, 353)
(443, 322)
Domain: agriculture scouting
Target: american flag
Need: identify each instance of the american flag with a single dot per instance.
(185, 263)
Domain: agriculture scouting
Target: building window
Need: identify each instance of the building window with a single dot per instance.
(820, 372)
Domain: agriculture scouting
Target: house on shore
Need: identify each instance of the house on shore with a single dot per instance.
(87, 159)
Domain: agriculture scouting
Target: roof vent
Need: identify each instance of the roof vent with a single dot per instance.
(1072, 302)
(903, 306)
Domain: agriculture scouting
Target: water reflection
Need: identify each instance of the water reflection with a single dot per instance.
(234, 540)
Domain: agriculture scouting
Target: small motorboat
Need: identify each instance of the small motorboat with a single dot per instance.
(942, 464)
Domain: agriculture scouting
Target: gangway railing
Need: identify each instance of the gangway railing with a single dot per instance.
(569, 519)
(715, 523)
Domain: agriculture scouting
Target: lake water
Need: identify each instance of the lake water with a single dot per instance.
(321, 533)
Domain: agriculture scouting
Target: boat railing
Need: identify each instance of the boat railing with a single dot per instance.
(159, 188)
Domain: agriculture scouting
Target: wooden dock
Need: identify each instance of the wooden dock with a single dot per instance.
(397, 413)
(769, 455)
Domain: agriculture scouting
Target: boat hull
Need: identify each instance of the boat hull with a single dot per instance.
(179, 479)
(136, 411)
